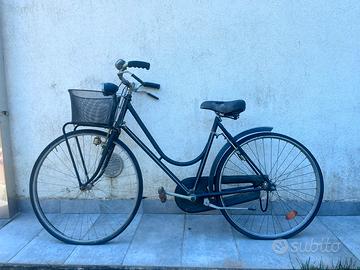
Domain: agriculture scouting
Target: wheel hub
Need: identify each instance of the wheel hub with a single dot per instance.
(86, 187)
(268, 186)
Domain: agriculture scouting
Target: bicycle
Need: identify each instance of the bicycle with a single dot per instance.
(86, 186)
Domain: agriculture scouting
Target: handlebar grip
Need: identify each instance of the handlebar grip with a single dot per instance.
(151, 85)
(138, 64)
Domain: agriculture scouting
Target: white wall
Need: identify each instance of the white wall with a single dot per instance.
(296, 63)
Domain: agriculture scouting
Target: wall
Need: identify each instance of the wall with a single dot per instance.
(296, 63)
(8, 196)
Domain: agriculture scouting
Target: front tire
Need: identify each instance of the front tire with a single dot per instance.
(298, 182)
(85, 216)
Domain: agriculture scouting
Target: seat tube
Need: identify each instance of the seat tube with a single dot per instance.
(208, 147)
(233, 142)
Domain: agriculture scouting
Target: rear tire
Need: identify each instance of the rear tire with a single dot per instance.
(297, 178)
(94, 215)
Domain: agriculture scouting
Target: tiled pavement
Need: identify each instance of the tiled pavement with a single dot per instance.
(178, 240)
(3, 222)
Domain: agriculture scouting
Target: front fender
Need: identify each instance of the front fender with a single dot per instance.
(216, 163)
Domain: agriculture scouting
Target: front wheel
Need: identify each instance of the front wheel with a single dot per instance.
(91, 215)
(296, 183)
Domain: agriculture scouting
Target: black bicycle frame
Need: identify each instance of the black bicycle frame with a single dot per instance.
(120, 125)
(158, 160)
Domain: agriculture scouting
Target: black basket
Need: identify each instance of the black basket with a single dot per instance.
(91, 107)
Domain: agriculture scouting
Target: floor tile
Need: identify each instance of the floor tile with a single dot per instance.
(208, 242)
(3, 222)
(317, 244)
(111, 253)
(263, 254)
(16, 234)
(157, 241)
(44, 249)
(347, 229)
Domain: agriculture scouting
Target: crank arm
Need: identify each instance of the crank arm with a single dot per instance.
(208, 204)
(186, 197)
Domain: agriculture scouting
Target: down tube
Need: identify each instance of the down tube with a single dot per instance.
(155, 158)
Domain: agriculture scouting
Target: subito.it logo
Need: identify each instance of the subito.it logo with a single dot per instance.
(280, 246)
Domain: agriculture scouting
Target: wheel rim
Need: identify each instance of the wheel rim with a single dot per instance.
(92, 215)
(298, 183)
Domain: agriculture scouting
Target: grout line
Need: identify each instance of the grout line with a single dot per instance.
(289, 256)
(78, 246)
(132, 239)
(183, 240)
(67, 258)
(333, 233)
(8, 220)
(32, 239)
(236, 244)
(28, 243)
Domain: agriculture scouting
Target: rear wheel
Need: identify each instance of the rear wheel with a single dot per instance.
(295, 175)
(92, 215)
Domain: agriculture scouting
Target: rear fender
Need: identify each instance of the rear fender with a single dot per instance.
(216, 163)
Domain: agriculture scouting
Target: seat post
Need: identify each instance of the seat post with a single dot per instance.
(216, 122)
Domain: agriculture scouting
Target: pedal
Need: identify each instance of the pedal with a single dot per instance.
(162, 194)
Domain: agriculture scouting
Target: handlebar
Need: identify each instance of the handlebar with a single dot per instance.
(122, 65)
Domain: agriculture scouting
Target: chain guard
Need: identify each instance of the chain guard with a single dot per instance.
(189, 206)
(198, 205)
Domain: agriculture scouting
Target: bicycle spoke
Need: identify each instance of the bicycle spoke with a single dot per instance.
(278, 156)
(264, 155)
(304, 193)
(285, 159)
(295, 170)
(240, 170)
(287, 166)
(258, 160)
(296, 176)
(294, 184)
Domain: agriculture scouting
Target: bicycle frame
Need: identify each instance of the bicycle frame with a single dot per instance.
(114, 133)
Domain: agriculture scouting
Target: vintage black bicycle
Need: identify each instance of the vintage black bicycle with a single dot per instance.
(86, 186)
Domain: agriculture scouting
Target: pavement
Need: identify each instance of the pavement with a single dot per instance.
(180, 241)
(3, 222)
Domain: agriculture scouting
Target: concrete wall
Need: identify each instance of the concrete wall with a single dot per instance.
(296, 63)
(8, 196)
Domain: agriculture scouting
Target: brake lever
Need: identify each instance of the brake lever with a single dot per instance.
(149, 94)
(137, 78)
